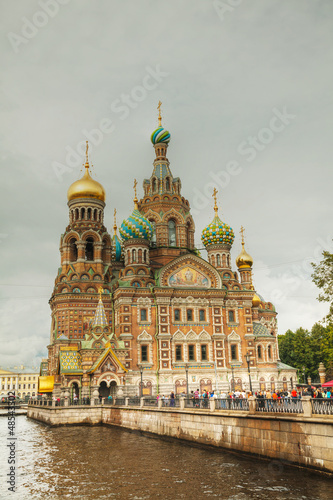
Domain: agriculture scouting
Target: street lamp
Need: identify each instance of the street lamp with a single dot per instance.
(141, 373)
(247, 357)
(186, 370)
(233, 380)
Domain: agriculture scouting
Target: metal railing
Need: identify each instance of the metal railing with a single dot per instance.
(120, 402)
(170, 403)
(150, 402)
(135, 401)
(238, 404)
(283, 405)
(322, 406)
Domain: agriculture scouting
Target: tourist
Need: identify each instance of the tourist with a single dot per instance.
(196, 397)
(172, 399)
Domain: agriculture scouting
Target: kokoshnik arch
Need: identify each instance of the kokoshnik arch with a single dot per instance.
(148, 301)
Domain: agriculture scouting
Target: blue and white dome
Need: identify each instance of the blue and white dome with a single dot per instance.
(160, 135)
(217, 232)
(136, 226)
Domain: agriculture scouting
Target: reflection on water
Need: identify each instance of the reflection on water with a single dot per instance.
(102, 462)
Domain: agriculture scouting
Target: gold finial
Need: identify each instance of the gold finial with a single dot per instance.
(159, 114)
(242, 233)
(100, 290)
(115, 221)
(87, 161)
(215, 202)
(135, 195)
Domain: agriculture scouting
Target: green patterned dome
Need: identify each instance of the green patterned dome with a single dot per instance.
(217, 232)
(136, 226)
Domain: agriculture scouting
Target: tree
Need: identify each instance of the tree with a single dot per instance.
(323, 278)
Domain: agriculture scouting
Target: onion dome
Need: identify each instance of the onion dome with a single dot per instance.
(136, 226)
(256, 300)
(244, 259)
(160, 135)
(217, 232)
(86, 187)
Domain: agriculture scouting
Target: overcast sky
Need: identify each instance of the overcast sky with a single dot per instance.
(247, 97)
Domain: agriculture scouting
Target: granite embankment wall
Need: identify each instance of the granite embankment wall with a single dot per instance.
(307, 442)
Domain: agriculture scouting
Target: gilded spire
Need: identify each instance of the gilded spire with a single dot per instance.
(159, 114)
(214, 195)
(87, 160)
(100, 291)
(115, 221)
(135, 195)
(242, 234)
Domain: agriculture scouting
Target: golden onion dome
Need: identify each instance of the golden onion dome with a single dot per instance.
(86, 187)
(256, 300)
(244, 259)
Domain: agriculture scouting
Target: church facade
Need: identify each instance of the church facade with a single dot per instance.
(143, 312)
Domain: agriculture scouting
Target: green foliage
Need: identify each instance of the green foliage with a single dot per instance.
(304, 348)
(322, 276)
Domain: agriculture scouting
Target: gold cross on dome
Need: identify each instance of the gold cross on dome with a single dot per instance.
(159, 113)
(115, 220)
(242, 233)
(87, 147)
(214, 195)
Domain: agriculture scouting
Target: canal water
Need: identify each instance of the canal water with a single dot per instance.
(90, 463)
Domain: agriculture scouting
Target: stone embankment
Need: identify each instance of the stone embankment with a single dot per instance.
(304, 439)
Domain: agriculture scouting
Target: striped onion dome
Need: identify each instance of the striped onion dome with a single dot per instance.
(160, 135)
(136, 226)
(217, 232)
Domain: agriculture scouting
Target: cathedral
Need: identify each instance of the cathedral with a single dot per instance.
(142, 313)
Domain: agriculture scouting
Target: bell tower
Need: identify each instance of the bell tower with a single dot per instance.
(86, 251)
(164, 206)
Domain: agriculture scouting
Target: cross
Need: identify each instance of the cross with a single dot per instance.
(115, 220)
(214, 196)
(135, 184)
(87, 147)
(159, 113)
(242, 233)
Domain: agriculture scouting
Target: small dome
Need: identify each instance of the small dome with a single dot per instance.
(160, 135)
(217, 232)
(244, 259)
(256, 300)
(86, 187)
(136, 226)
(116, 248)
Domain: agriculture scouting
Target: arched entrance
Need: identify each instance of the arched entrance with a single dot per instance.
(238, 384)
(205, 385)
(103, 390)
(75, 390)
(180, 386)
(113, 388)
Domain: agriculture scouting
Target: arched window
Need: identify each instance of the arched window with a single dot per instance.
(76, 214)
(259, 352)
(188, 235)
(133, 255)
(145, 256)
(82, 213)
(89, 249)
(269, 352)
(154, 186)
(89, 213)
(218, 260)
(172, 233)
(95, 214)
(72, 250)
(104, 250)
(231, 316)
(167, 184)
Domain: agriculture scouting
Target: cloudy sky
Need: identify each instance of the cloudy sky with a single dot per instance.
(247, 96)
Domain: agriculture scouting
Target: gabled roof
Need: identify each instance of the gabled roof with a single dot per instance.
(102, 358)
(283, 366)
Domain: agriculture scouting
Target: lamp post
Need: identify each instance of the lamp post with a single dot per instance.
(247, 357)
(186, 370)
(233, 380)
(141, 373)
